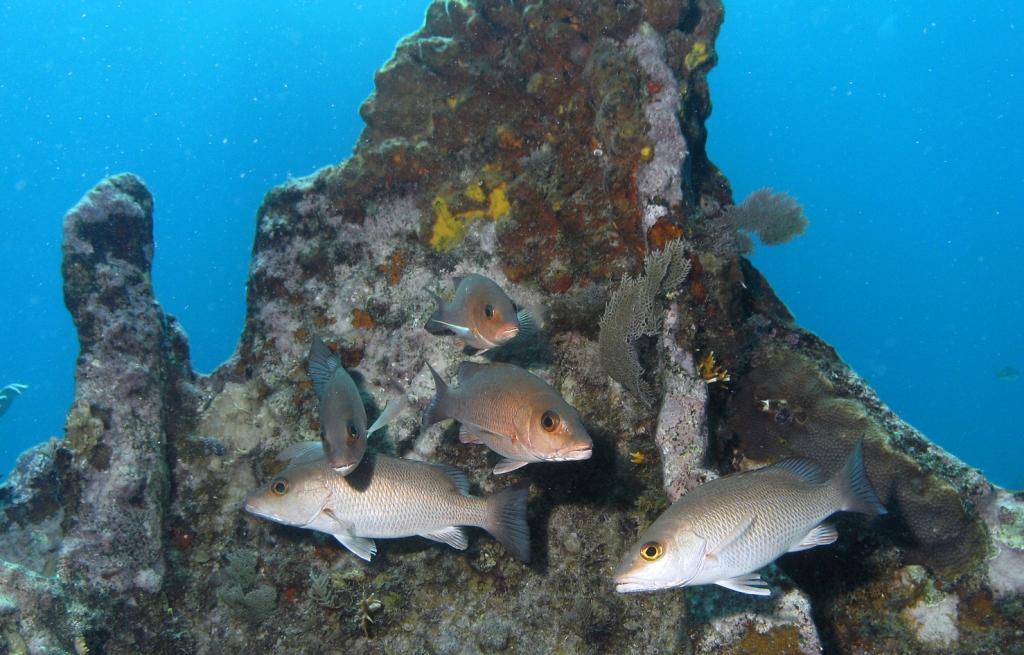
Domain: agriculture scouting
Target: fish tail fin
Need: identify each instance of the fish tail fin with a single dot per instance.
(855, 491)
(528, 323)
(436, 324)
(506, 520)
(437, 409)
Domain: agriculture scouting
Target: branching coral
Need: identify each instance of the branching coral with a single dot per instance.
(633, 312)
(774, 217)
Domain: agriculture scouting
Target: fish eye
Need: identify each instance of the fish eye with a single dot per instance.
(651, 551)
(279, 486)
(488, 311)
(353, 433)
(549, 421)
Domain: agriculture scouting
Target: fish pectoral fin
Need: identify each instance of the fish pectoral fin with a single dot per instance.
(301, 452)
(468, 434)
(341, 525)
(359, 546)
(822, 535)
(750, 583)
(729, 539)
(393, 410)
(453, 536)
(507, 465)
(456, 329)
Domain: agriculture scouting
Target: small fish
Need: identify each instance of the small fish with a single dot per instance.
(343, 428)
(385, 498)
(1008, 374)
(724, 530)
(512, 412)
(480, 314)
(8, 394)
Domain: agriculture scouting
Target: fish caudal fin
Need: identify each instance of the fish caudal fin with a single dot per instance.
(506, 520)
(436, 324)
(322, 364)
(855, 491)
(528, 323)
(437, 409)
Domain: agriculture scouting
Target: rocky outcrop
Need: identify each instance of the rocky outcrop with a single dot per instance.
(549, 145)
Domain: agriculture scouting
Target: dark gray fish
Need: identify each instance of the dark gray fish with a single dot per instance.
(343, 428)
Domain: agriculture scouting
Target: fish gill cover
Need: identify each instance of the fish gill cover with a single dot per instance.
(550, 147)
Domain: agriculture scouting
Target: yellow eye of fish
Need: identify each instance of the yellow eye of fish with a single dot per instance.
(353, 434)
(549, 421)
(280, 486)
(488, 311)
(651, 551)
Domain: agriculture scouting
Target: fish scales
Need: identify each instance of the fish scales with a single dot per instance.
(785, 507)
(402, 500)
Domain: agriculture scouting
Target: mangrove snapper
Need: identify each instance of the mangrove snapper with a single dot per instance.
(724, 530)
(512, 412)
(343, 428)
(387, 497)
(480, 314)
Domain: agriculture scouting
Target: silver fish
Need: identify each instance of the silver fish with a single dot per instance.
(387, 497)
(723, 531)
(480, 314)
(343, 428)
(512, 412)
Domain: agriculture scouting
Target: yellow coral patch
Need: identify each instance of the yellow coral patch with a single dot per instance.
(475, 192)
(646, 153)
(698, 55)
(448, 230)
(498, 206)
(449, 227)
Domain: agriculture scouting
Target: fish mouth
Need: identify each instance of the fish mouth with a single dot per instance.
(573, 455)
(625, 584)
(344, 468)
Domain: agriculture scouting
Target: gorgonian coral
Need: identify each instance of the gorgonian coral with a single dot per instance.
(633, 311)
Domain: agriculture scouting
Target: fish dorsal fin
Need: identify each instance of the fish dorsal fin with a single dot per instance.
(453, 536)
(749, 583)
(302, 452)
(822, 535)
(802, 468)
(738, 531)
(457, 476)
(468, 370)
(322, 364)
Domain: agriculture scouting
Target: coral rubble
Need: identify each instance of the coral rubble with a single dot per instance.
(550, 145)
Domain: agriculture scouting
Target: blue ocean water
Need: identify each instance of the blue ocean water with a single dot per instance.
(898, 125)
